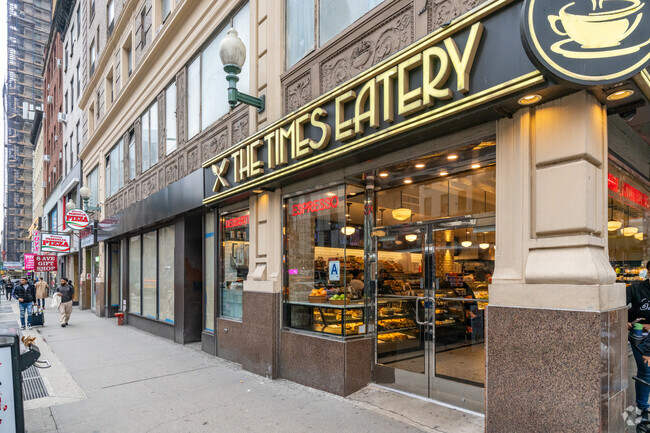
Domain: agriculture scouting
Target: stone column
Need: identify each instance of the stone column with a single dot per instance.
(557, 335)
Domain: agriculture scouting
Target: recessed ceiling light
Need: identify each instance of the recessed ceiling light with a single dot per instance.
(420, 165)
(331, 194)
(443, 173)
(383, 174)
(530, 99)
(408, 181)
(452, 157)
(620, 94)
(476, 165)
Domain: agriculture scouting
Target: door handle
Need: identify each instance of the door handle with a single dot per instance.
(417, 310)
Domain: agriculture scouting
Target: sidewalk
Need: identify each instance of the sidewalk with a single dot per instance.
(124, 380)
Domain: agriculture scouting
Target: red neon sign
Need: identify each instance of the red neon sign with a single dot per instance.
(633, 194)
(612, 182)
(314, 205)
(237, 222)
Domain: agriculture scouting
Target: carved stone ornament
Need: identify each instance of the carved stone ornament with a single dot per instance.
(171, 171)
(215, 144)
(193, 159)
(240, 129)
(443, 11)
(389, 37)
(298, 92)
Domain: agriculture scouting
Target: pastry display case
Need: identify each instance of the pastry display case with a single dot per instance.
(343, 320)
(398, 334)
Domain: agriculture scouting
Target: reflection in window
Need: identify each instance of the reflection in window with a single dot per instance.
(135, 286)
(209, 271)
(166, 274)
(149, 278)
(170, 118)
(234, 250)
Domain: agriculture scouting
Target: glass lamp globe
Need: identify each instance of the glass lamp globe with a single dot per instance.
(232, 49)
(411, 237)
(348, 230)
(466, 244)
(84, 192)
(401, 213)
(613, 225)
(629, 231)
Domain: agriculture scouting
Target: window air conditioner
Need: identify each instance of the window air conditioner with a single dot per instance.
(58, 63)
(62, 118)
(44, 184)
(56, 137)
(60, 155)
(50, 99)
(46, 158)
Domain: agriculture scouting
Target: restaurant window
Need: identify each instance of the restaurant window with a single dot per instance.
(170, 118)
(149, 123)
(209, 272)
(324, 288)
(333, 16)
(628, 225)
(114, 175)
(206, 103)
(234, 262)
(135, 279)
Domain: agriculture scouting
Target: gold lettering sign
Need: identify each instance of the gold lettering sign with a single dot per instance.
(308, 131)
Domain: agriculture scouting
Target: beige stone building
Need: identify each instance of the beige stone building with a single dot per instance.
(423, 202)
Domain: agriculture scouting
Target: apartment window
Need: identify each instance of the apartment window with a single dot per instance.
(72, 94)
(302, 36)
(132, 155)
(65, 152)
(65, 104)
(143, 33)
(77, 135)
(109, 88)
(93, 184)
(114, 169)
(70, 154)
(126, 60)
(206, 102)
(110, 17)
(93, 57)
(170, 118)
(149, 121)
(78, 21)
(65, 58)
(91, 118)
(166, 7)
(92, 9)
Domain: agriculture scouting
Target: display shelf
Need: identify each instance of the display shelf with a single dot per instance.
(388, 331)
(352, 305)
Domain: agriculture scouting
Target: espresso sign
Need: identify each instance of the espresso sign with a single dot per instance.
(77, 219)
(588, 42)
(451, 71)
(51, 243)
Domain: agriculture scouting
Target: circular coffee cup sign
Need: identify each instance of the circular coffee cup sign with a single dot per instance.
(588, 42)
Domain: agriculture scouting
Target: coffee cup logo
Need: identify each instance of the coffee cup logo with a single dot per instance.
(588, 41)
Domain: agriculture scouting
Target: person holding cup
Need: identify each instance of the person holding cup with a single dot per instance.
(638, 299)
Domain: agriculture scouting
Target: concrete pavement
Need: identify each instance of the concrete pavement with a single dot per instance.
(109, 378)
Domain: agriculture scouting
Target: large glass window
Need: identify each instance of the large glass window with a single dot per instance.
(234, 265)
(628, 223)
(333, 17)
(135, 279)
(149, 275)
(150, 137)
(324, 266)
(170, 118)
(116, 282)
(166, 273)
(206, 102)
(131, 155)
(115, 169)
(209, 271)
(93, 184)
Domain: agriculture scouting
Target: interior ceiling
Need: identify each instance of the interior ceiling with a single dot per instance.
(641, 122)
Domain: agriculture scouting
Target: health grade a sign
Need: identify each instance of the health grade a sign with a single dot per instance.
(51, 243)
(77, 219)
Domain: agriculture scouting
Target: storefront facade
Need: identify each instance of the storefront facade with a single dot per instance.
(406, 227)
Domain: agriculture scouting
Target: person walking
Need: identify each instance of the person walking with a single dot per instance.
(65, 308)
(41, 292)
(638, 296)
(26, 295)
(9, 288)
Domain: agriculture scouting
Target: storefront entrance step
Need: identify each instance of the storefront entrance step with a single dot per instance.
(419, 412)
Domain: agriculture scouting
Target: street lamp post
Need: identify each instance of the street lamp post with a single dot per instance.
(233, 55)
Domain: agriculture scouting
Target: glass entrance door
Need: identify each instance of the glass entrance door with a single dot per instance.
(432, 285)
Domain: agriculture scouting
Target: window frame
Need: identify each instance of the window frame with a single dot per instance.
(148, 112)
(219, 254)
(175, 116)
(110, 17)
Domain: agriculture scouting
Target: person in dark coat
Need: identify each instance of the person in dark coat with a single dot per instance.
(26, 295)
(9, 288)
(638, 296)
(65, 307)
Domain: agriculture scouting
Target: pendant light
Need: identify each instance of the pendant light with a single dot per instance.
(639, 236)
(612, 224)
(484, 245)
(629, 230)
(348, 230)
(402, 212)
(411, 237)
(466, 243)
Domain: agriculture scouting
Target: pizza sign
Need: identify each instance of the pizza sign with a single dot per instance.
(55, 243)
(77, 219)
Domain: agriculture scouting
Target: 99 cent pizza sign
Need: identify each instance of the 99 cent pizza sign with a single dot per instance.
(77, 219)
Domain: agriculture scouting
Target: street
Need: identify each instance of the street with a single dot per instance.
(109, 378)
